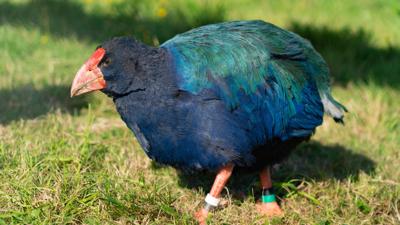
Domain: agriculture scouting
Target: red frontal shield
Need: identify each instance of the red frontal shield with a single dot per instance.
(89, 77)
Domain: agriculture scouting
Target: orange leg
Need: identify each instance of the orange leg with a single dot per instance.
(268, 207)
(212, 198)
(265, 177)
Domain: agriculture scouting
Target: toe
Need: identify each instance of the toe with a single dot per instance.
(201, 216)
(270, 209)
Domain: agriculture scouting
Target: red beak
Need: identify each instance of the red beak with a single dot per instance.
(89, 77)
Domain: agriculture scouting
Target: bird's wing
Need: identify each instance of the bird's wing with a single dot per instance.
(236, 58)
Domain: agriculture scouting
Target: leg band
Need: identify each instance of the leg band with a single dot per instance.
(210, 200)
(268, 195)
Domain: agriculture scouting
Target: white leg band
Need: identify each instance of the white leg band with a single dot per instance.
(212, 200)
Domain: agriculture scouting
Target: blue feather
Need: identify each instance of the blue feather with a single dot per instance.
(244, 92)
(268, 72)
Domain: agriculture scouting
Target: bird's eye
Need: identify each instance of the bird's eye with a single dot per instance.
(106, 62)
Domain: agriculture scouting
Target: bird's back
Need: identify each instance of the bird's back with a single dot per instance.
(253, 63)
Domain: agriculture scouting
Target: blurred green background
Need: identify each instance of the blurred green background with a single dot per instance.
(73, 161)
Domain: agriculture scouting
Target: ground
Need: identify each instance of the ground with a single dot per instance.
(73, 161)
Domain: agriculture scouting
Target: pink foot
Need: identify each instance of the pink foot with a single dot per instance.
(270, 209)
(201, 216)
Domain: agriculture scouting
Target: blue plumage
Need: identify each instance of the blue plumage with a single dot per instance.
(243, 92)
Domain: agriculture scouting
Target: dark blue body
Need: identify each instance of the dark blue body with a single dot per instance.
(201, 114)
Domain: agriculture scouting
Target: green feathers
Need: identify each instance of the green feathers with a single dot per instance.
(233, 58)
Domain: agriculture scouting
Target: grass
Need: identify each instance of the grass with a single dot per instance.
(72, 161)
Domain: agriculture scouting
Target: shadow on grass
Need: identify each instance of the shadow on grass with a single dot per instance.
(352, 56)
(310, 162)
(67, 18)
(28, 102)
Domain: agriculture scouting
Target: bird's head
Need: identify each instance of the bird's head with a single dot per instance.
(114, 68)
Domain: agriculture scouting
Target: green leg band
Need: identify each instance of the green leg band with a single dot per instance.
(268, 198)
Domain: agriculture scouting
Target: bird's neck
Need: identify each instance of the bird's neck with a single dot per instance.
(157, 79)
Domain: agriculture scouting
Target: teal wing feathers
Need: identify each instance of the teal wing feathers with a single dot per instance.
(233, 58)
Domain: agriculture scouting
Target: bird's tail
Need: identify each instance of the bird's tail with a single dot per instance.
(333, 108)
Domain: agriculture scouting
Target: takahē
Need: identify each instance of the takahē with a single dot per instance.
(241, 94)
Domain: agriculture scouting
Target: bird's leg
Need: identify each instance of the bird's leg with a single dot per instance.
(212, 198)
(268, 205)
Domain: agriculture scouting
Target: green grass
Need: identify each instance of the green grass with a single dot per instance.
(72, 161)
